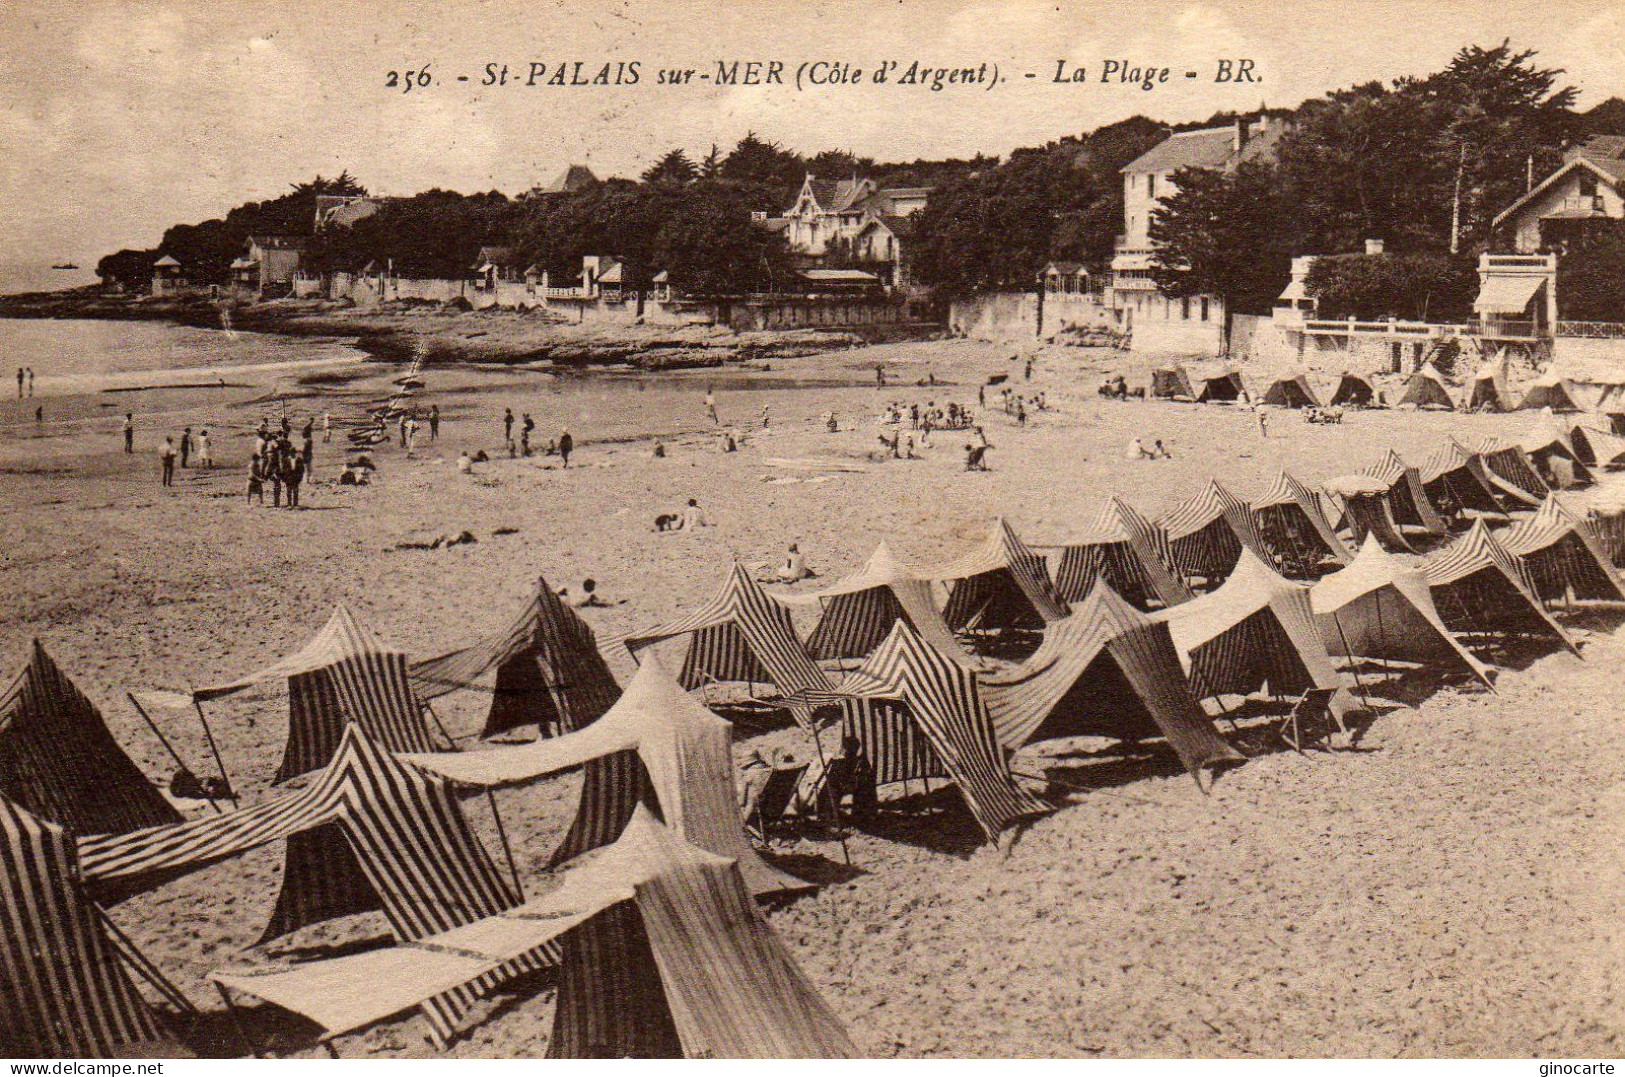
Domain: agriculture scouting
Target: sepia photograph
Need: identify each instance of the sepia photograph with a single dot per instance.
(892, 530)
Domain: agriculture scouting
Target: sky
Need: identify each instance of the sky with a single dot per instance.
(121, 117)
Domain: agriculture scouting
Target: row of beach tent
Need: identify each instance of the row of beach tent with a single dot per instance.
(1426, 388)
(654, 932)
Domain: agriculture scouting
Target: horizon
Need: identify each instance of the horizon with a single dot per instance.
(210, 107)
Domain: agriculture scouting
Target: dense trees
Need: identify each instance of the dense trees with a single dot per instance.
(1591, 277)
(1421, 287)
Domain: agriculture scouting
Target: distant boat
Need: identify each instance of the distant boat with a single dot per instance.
(65, 265)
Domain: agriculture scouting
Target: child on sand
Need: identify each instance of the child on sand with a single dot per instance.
(205, 452)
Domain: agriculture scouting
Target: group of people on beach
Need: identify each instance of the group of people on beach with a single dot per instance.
(276, 461)
(563, 446)
(25, 374)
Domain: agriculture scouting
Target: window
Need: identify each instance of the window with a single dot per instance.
(1204, 308)
(1185, 309)
(1151, 185)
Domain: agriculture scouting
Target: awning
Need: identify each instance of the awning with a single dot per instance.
(1507, 295)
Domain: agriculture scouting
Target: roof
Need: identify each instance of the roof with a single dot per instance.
(1209, 147)
(901, 227)
(1063, 269)
(834, 196)
(773, 224)
(166, 260)
(573, 178)
(1604, 155)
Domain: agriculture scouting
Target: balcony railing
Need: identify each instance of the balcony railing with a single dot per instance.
(1392, 327)
(1592, 330)
(1504, 329)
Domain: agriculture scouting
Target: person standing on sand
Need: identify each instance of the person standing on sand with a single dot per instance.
(19, 383)
(1263, 425)
(307, 453)
(293, 475)
(256, 480)
(764, 416)
(507, 424)
(186, 446)
(711, 406)
(525, 429)
(166, 457)
(409, 435)
(129, 431)
(273, 471)
(30, 381)
(327, 427)
(205, 454)
(567, 445)
(434, 422)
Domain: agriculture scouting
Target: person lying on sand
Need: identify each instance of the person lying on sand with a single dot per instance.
(794, 569)
(591, 598)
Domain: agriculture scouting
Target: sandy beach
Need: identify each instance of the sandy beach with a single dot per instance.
(1450, 887)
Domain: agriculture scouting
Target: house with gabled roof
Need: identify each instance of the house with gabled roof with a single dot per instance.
(1191, 325)
(1588, 188)
(573, 178)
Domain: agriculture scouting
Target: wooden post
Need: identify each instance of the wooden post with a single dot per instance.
(170, 748)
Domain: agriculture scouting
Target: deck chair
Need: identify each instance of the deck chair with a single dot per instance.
(777, 795)
(1311, 722)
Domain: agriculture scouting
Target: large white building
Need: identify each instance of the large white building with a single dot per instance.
(1191, 326)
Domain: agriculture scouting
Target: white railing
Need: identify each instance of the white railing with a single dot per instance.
(1391, 327)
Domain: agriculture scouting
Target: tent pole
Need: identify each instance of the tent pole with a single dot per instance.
(237, 1021)
(215, 750)
(1383, 633)
(834, 801)
(507, 850)
(440, 726)
(144, 966)
(1355, 666)
(168, 747)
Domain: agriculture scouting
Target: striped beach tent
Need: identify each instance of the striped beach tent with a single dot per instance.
(1552, 455)
(1519, 484)
(1108, 670)
(65, 991)
(1000, 584)
(929, 694)
(741, 634)
(1127, 552)
(1562, 555)
(1172, 383)
(1488, 390)
(859, 610)
(1481, 589)
(1456, 480)
(1208, 532)
(1598, 448)
(1352, 391)
(58, 759)
(407, 842)
(1221, 388)
(1427, 389)
(1257, 630)
(1407, 500)
(1364, 510)
(1550, 391)
(1379, 607)
(344, 675)
(549, 673)
(1291, 391)
(1293, 529)
(661, 952)
(656, 746)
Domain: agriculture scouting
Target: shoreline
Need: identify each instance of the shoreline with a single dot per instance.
(405, 332)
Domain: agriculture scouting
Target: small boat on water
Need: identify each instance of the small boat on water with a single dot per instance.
(65, 265)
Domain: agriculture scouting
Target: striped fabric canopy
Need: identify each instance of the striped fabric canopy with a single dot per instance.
(1128, 552)
(1352, 391)
(1291, 391)
(341, 637)
(64, 992)
(713, 980)
(1509, 470)
(1208, 532)
(860, 610)
(548, 670)
(741, 634)
(687, 967)
(1549, 391)
(1001, 584)
(1293, 528)
(1365, 511)
(1378, 607)
(1455, 480)
(1598, 448)
(1427, 389)
(59, 761)
(1552, 455)
(1172, 382)
(1407, 501)
(1480, 588)
(1258, 629)
(371, 690)
(407, 832)
(1107, 670)
(942, 698)
(1562, 555)
(679, 762)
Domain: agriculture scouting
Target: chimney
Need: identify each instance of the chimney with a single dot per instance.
(1373, 246)
(1244, 130)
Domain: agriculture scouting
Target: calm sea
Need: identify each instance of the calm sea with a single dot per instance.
(69, 354)
(42, 278)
